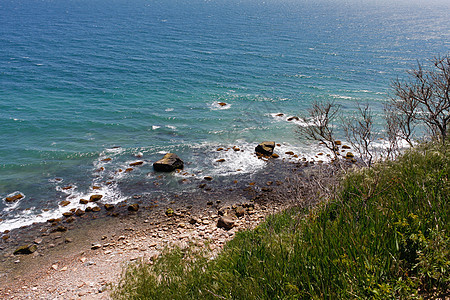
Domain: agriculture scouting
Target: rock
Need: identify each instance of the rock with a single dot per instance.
(68, 214)
(293, 119)
(337, 143)
(88, 209)
(26, 249)
(274, 155)
(133, 207)
(240, 211)
(265, 148)
(279, 115)
(202, 185)
(64, 203)
(60, 228)
(68, 240)
(96, 246)
(220, 160)
(222, 103)
(106, 159)
(70, 220)
(14, 198)
(137, 163)
(168, 163)
(79, 212)
(169, 212)
(289, 153)
(95, 198)
(84, 201)
(209, 178)
(225, 222)
(67, 187)
(349, 155)
(96, 209)
(345, 147)
(109, 206)
(194, 220)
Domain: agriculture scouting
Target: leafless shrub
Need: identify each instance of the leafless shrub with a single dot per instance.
(424, 97)
(323, 114)
(359, 132)
(391, 129)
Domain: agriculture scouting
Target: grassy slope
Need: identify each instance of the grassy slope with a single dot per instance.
(385, 235)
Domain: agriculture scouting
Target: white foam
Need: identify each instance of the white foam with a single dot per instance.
(154, 127)
(169, 109)
(341, 97)
(216, 106)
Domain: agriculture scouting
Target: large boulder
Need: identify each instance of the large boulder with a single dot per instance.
(265, 148)
(170, 162)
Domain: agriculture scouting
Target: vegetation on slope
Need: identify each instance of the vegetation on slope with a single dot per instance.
(384, 235)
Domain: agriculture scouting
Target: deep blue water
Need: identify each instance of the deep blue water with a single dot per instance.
(80, 78)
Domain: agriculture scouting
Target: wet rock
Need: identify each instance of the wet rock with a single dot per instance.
(225, 222)
(349, 155)
(14, 198)
(202, 185)
(168, 163)
(88, 209)
(345, 147)
(95, 198)
(337, 143)
(67, 187)
(96, 187)
(274, 155)
(109, 206)
(64, 203)
(219, 149)
(84, 201)
(133, 207)
(106, 159)
(26, 249)
(265, 148)
(293, 119)
(96, 209)
(70, 220)
(279, 115)
(209, 178)
(289, 153)
(137, 163)
(220, 160)
(60, 228)
(68, 214)
(222, 103)
(79, 212)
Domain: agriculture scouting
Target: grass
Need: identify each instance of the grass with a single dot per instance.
(383, 235)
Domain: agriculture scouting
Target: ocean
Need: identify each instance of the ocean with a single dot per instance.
(89, 87)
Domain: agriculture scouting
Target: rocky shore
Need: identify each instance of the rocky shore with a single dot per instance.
(81, 254)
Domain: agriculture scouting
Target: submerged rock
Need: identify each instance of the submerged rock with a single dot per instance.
(95, 198)
(170, 162)
(26, 249)
(265, 148)
(138, 163)
(64, 203)
(14, 197)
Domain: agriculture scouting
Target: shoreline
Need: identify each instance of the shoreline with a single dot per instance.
(92, 252)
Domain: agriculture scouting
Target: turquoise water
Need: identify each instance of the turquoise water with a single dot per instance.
(81, 81)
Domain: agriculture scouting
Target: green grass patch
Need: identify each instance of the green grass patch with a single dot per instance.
(384, 235)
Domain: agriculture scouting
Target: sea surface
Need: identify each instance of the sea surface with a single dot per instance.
(89, 86)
